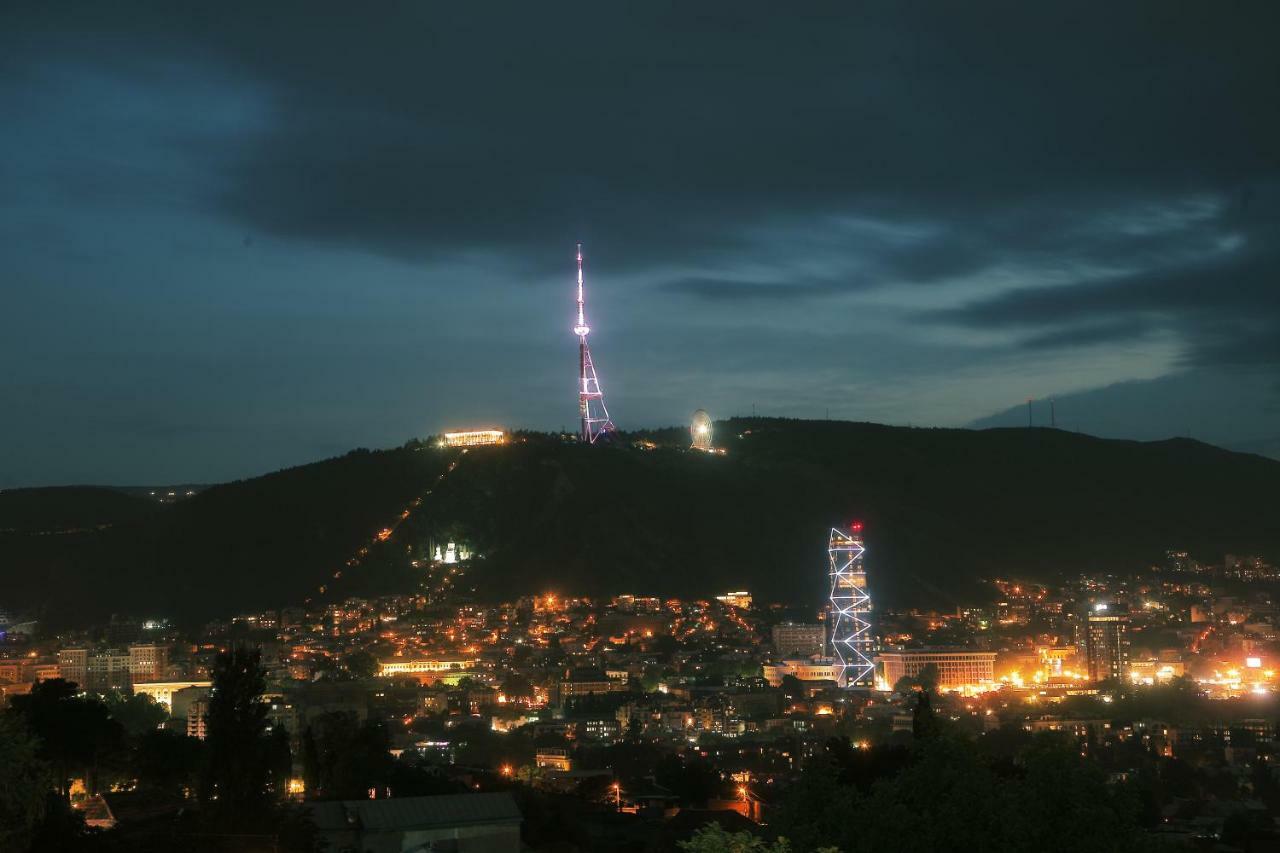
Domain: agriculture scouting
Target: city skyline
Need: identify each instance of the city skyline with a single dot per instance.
(231, 253)
(933, 506)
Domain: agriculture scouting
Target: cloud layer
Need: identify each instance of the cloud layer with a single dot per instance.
(913, 213)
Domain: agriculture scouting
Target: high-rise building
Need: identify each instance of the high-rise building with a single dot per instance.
(800, 639)
(108, 670)
(1106, 642)
(73, 665)
(149, 662)
(591, 409)
(851, 636)
(197, 718)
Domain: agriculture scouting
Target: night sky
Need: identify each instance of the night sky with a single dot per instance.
(265, 233)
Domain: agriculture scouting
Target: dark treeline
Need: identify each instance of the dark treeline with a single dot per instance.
(216, 794)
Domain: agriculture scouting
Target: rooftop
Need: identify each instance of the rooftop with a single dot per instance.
(401, 813)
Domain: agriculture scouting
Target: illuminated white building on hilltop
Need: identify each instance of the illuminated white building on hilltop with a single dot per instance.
(740, 599)
(474, 438)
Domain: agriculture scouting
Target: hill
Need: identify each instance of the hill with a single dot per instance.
(251, 543)
(943, 508)
(68, 509)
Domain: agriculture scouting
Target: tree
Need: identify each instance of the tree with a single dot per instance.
(343, 758)
(137, 712)
(361, 665)
(237, 777)
(924, 723)
(167, 761)
(817, 811)
(25, 783)
(76, 733)
(713, 839)
(279, 760)
(792, 688)
(926, 679)
(694, 781)
(951, 797)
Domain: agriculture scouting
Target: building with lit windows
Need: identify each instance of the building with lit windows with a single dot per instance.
(197, 719)
(162, 691)
(149, 662)
(740, 599)
(73, 665)
(805, 669)
(411, 666)
(114, 669)
(956, 668)
(474, 438)
(795, 639)
(586, 682)
(1106, 642)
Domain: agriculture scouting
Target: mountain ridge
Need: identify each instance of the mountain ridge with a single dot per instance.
(945, 509)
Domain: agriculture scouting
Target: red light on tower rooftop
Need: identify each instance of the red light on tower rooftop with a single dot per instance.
(855, 526)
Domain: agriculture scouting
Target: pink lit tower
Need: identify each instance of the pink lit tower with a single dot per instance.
(595, 417)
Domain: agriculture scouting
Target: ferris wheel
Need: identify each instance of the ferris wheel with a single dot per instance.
(700, 429)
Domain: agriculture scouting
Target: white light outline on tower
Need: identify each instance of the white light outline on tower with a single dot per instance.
(851, 636)
(592, 425)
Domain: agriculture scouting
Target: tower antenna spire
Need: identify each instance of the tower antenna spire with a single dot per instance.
(591, 409)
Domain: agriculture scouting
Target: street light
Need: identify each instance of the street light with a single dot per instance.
(617, 796)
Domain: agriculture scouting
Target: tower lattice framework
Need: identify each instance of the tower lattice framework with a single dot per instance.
(851, 635)
(591, 409)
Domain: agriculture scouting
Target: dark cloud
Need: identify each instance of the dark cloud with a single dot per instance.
(714, 289)
(889, 193)
(1084, 335)
(1223, 298)
(419, 129)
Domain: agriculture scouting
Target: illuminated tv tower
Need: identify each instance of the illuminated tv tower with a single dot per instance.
(851, 608)
(595, 417)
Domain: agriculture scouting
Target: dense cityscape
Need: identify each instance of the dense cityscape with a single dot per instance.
(609, 718)
(576, 427)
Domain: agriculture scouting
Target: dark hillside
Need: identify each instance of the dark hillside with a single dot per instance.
(943, 510)
(267, 541)
(58, 510)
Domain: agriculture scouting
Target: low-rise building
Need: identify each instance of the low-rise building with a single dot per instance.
(806, 669)
(466, 823)
(956, 668)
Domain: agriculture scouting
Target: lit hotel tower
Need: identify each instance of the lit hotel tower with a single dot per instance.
(850, 608)
(595, 417)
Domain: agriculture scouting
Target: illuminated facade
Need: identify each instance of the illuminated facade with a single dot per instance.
(162, 691)
(1106, 642)
(474, 438)
(406, 666)
(800, 638)
(700, 430)
(591, 410)
(851, 636)
(956, 668)
(740, 599)
(805, 669)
